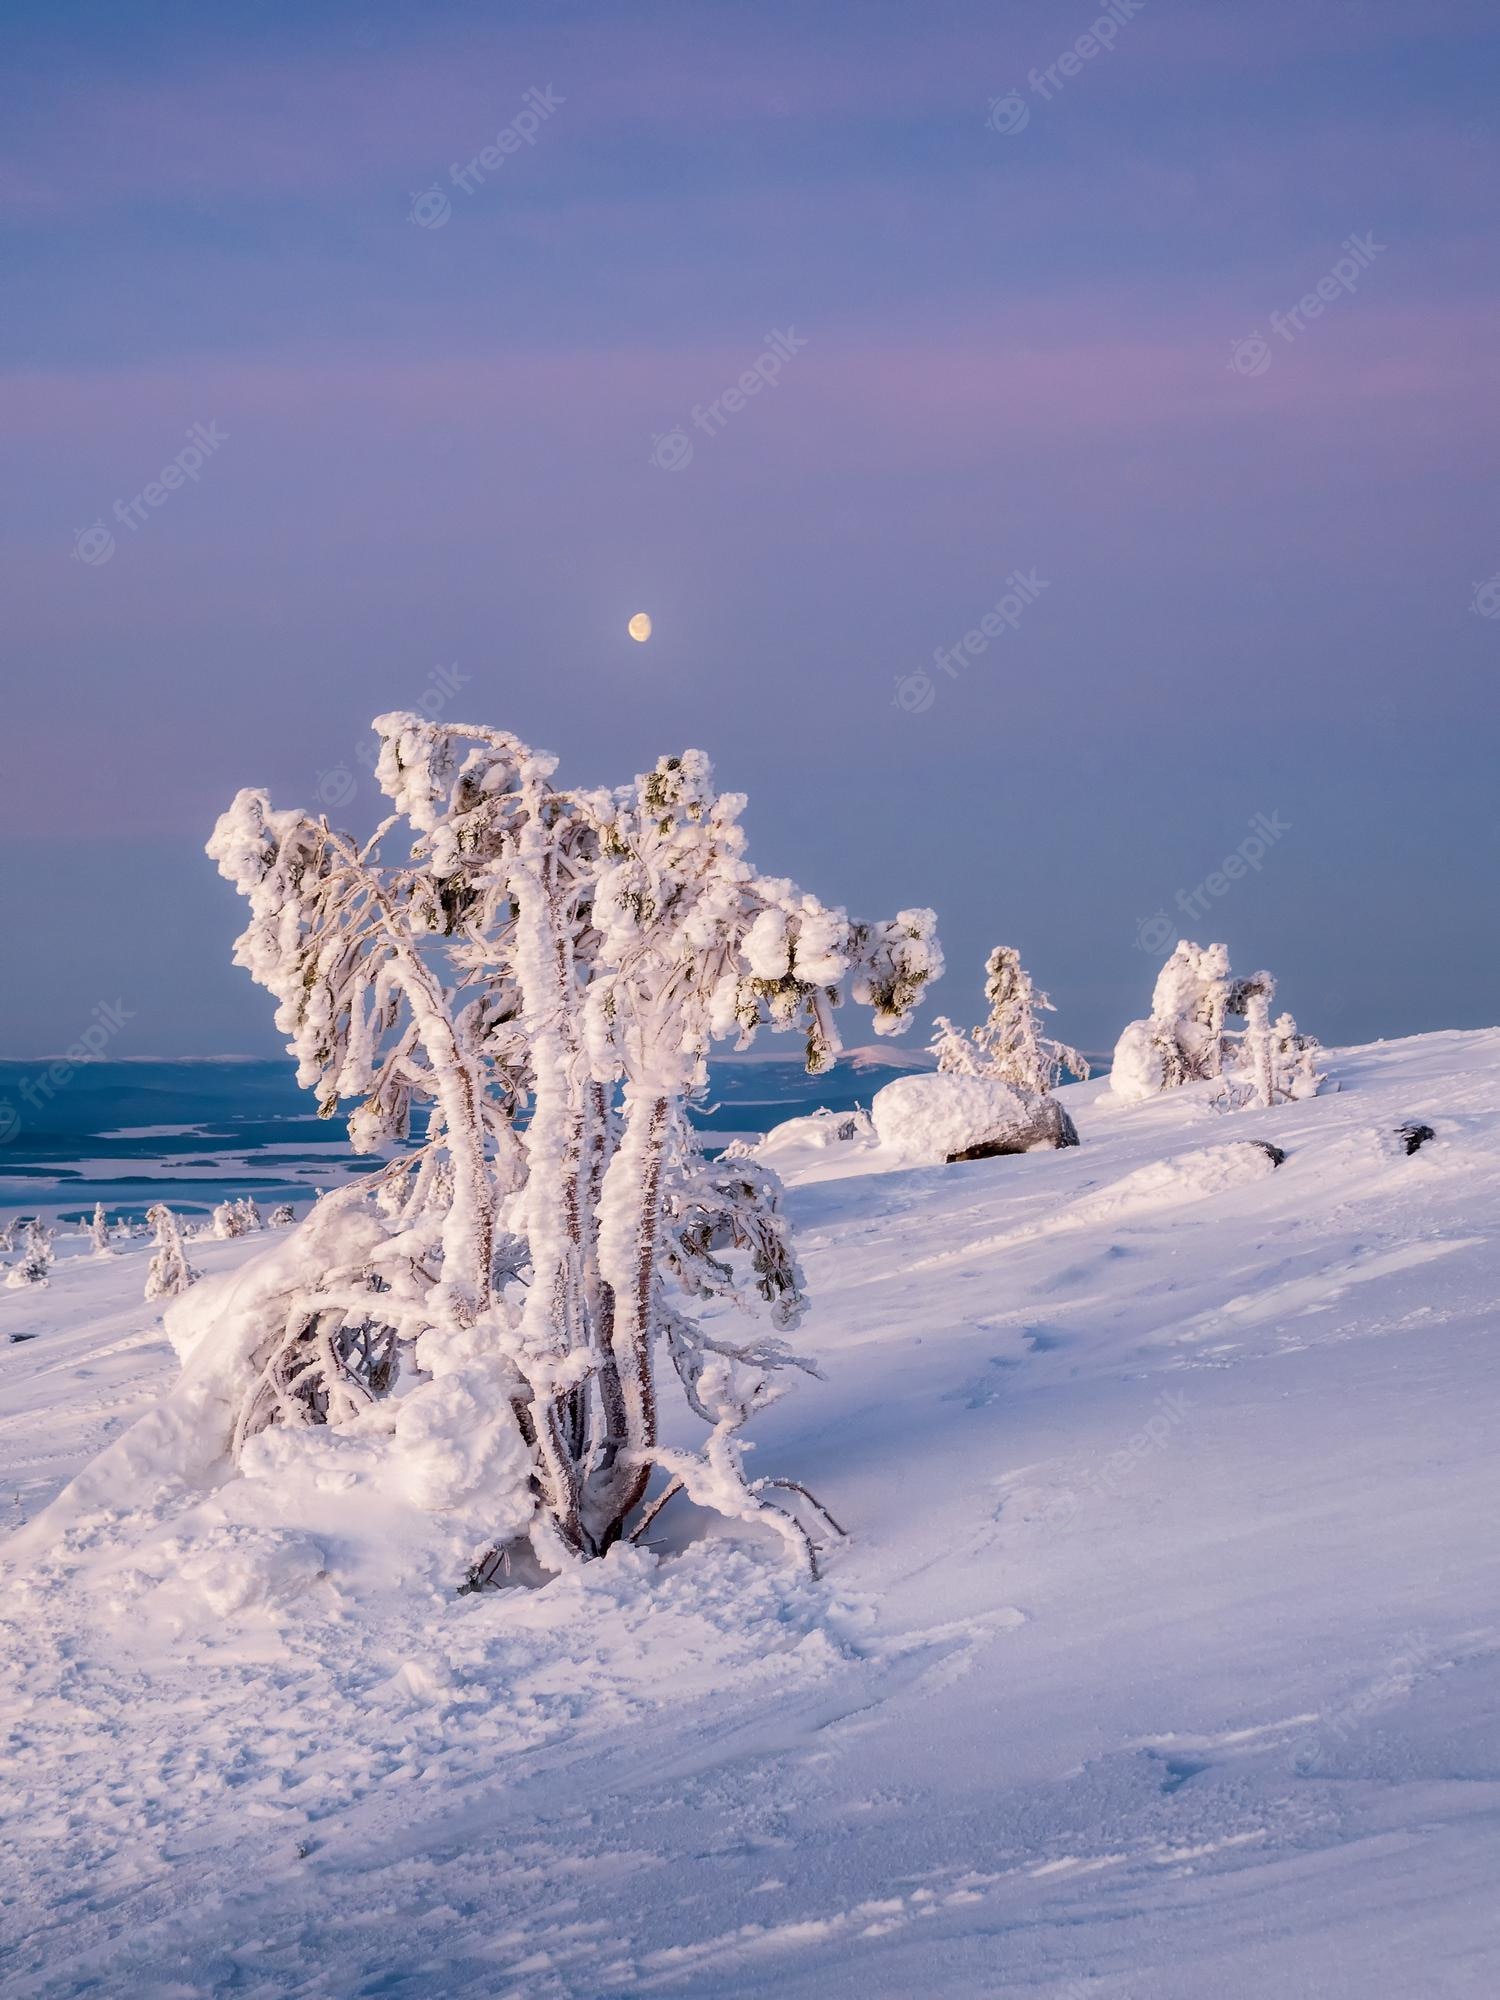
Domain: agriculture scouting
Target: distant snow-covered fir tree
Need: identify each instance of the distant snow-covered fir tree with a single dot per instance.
(99, 1231)
(169, 1271)
(282, 1216)
(1010, 1045)
(34, 1267)
(1011, 1040)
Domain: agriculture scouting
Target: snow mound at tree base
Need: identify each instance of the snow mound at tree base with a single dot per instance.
(849, 1132)
(927, 1120)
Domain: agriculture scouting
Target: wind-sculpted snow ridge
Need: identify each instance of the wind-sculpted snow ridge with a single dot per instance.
(1162, 1658)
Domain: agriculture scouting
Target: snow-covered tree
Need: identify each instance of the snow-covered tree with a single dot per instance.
(1185, 1039)
(282, 1216)
(1295, 1057)
(239, 1217)
(99, 1231)
(573, 955)
(1273, 1063)
(34, 1266)
(169, 1271)
(956, 1050)
(1011, 1041)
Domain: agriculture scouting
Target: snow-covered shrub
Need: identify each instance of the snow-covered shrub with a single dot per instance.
(169, 1271)
(927, 1120)
(34, 1266)
(528, 1276)
(1185, 1039)
(282, 1216)
(99, 1231)
(306, 1333)
(239, 1217)
(956, 1050)
(1273, 1063)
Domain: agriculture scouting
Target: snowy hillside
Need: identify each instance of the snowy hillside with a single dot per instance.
(1163, 1658)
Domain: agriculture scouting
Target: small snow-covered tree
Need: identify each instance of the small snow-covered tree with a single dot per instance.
(282, 1216)
(1011, 1040)
(956, 1051)
(1257, 1060)
(239, 1217)
(1295, 1057)
(1273, 1063)
(99, 1231)
(35, 1264)
(169, 1271)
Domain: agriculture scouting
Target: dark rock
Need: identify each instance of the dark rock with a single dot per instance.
(1049, 1126)
(1413, 1135)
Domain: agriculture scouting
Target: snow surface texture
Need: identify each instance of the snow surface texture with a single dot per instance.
(1164, 1661)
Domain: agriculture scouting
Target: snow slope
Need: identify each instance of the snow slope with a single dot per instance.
(1164, 1659)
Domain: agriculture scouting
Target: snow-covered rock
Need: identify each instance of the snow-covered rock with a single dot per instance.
(930, 1119)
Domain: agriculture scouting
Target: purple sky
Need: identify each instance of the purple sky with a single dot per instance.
(1026, 350)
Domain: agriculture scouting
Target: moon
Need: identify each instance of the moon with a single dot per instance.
(640, 626)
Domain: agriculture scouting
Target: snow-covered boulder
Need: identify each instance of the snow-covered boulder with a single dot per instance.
(931, 1119)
